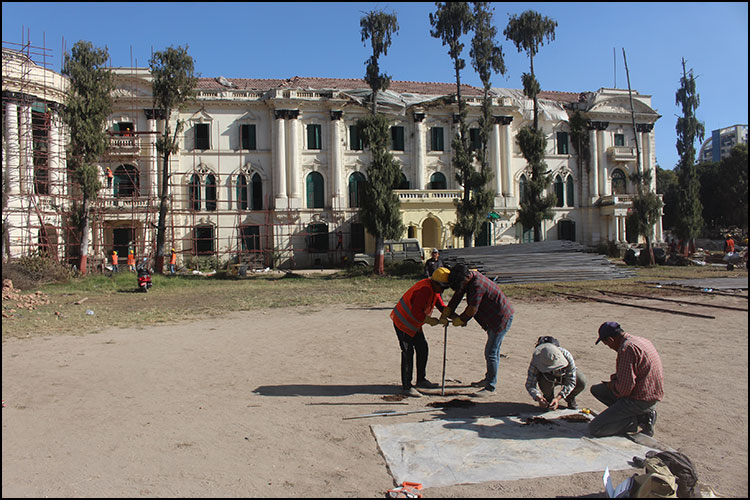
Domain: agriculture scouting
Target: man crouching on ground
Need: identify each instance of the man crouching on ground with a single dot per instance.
(633, 390)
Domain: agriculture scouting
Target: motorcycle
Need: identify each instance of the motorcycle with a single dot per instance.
(144, 277)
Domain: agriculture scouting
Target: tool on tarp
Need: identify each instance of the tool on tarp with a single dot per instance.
(445, 351)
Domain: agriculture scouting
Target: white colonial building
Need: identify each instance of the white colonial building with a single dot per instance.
(270, 171)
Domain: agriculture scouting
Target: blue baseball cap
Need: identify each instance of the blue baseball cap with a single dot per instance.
(607, 330)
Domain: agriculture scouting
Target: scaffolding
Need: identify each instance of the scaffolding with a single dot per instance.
(211, 214)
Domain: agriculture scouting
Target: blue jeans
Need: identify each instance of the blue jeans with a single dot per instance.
(492, 355)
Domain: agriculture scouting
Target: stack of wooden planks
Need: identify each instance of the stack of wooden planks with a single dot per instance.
(552, 260)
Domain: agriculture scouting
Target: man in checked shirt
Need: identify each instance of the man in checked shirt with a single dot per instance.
(489, 306)
(633, 390)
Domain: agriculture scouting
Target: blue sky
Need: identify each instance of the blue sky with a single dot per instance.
(318, 39)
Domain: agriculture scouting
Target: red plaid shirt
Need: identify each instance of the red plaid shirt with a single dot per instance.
(493, 308)
(639, 372)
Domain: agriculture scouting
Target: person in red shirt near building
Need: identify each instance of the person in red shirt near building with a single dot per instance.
(411, 312)
(633, 390)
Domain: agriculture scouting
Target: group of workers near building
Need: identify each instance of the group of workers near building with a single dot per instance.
(631, 394)
(132, 265)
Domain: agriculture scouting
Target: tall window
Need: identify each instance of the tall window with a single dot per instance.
(619, 139)
(522, 188)
(436, 139)
(562, 143)
(241, 192)
(475, 141)
(437, 181)
(257, 192)
(247, 136)
(315, 194)
(210, 192)
(195, 192)
(618, 182)
(125, 181)
(356, 142)
(356, 189)
(559, 191)
(202, 136)
(40, 121)
(250, 238)
(397, 138)
(569, 191)
(313, 136)
(404, 184)
(124, 128)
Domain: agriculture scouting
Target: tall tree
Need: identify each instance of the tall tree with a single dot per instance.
(87, 107)
(173, 86)
(486, 58)
(381, 210)
(666, 185)
(528, 33)
(688, 129)
(450, 22)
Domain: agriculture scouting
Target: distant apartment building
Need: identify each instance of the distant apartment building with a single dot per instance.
(721, 142)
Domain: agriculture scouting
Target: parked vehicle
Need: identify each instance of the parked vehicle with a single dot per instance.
(394, 251)
(144, 277)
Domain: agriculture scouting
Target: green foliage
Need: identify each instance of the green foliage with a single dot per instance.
(529, 30)
(580, 139)
(203, 263)
(87, 176)
(378, 27)
(689, 129)
(666, 185)
(535, 206)
(34, 270)
(486, 55)
(723, 191)
(380, 211)
(450, 22)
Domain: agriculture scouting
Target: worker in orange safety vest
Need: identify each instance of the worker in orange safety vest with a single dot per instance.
(115, 268)
(411, 312)
(131, 261)
(173, 261)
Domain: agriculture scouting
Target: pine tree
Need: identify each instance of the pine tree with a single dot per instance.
(87, 107)
(528, 32)
(450, 22)
(689, 129)
(173, 86)
(380, 212)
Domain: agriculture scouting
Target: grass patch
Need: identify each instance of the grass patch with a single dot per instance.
(116, 302)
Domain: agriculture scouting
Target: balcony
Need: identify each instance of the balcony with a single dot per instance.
(428, 196)
(125, 145)
(621, 153)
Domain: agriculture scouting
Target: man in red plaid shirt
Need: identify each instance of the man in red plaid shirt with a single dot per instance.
(633, 390)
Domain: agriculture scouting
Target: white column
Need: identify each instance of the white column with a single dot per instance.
(495, 158)
(419, 152)
(279, 165)
(293, 184)
(594, 165)
(54, 155)
(603, 189)
(27, 153)
(336, 166)
(13, 152)
(153, 161)
(507, 156)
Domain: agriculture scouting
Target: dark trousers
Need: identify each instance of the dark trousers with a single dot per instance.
(621, 416)
(408, 345)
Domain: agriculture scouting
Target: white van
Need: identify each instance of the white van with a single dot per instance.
(394, 251)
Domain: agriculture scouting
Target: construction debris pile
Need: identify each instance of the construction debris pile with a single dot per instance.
(553, 260)
(13, 299)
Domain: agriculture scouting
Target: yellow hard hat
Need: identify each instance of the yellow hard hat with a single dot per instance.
(114, 252)
(441, 275)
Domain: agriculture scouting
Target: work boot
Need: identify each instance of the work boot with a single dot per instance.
(411, 392)
(426, 384)
(647, 422)
(571, 400)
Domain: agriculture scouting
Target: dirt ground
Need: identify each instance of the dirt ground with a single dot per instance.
(253, 404)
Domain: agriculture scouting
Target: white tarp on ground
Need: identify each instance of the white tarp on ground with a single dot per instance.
(470, 450)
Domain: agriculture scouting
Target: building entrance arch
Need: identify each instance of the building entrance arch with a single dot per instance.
(431, 233)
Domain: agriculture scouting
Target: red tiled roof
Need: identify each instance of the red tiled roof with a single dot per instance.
(426, 88)
(554, 95)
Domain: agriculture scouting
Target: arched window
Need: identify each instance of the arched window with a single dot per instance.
(257, 192)
(618, 182)
(241, 192)
(315, 193)
(559, 191)
(437, 181)
(569, 192)
(195, 192)
(125, 181)
(210, 192)
(356, 189)
(522, 188)
(404, 182)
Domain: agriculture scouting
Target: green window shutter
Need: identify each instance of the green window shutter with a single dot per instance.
(619, 139)
(475, 139)
(397, 138)
(248, 136)
(313, 137)
(315, 197)
(562, 143)
(559, 191)
(570, 191)
(437, 143)
(355, 139)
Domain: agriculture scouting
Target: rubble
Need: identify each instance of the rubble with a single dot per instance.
(13, 299)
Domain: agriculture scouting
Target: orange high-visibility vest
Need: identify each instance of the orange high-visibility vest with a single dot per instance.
(114, 259)
(416, 304)
(173, 258)
(131, 259)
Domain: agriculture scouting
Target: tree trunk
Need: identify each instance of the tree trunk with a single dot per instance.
(536, 123)
(85, 225)
(162, 223)
(379, 265)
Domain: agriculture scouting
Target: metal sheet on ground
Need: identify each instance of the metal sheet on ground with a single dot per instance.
(715, 283)
(475, 450)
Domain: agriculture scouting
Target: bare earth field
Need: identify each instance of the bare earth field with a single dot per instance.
(253, 404)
